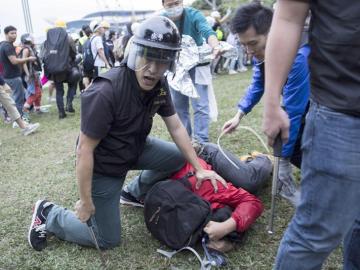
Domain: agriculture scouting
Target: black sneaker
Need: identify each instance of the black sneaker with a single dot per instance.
(37, 230)
(128, 199)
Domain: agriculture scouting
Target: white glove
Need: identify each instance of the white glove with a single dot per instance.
(286, 184)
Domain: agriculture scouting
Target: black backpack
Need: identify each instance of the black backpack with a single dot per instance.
(88, 58)
(56, 52)
(174, 214)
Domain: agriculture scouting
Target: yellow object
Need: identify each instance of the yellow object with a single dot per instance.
(219, 34)
(60, 23)
(105, 24)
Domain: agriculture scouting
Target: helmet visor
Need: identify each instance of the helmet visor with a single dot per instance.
(141, 57)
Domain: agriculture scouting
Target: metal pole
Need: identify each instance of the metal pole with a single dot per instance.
(277, 155)
(25, 16)
(29, 16)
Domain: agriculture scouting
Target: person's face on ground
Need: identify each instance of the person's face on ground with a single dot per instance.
(254, 43)
(11, 36)
(173, 8)
(149, 72)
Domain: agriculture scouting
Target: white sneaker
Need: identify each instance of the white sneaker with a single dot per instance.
(15, 125)
(30, 128)
(243, 69)
(232, 72)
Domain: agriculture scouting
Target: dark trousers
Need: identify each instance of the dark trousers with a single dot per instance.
(60, 95)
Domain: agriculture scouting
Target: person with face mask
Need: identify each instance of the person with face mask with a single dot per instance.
(191, 22)
(252, 23)
(116, 118)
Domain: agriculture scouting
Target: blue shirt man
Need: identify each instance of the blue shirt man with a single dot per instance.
(252, 23)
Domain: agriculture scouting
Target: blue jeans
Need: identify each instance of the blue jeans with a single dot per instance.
(157, 165)
(200, 107)
(160, 158)
(329, 210)
(18, 92)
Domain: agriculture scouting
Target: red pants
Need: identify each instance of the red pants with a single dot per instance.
(35, 99)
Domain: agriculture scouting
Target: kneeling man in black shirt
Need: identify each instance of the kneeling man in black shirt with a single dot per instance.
(116, 119)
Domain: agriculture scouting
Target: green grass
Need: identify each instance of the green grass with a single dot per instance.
(42, 166)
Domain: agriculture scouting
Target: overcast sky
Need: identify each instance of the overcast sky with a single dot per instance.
(43, 11)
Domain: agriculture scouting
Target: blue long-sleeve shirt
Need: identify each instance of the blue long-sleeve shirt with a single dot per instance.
(195, 25)
(295, 95)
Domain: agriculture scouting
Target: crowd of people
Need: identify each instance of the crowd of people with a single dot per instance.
(124, 84)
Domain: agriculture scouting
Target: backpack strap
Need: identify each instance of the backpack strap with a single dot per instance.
(91, 39)
(204, 264)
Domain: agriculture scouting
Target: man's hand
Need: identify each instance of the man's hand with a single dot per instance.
(202, 175)
(31, 59)
(275, 121)
(217, 52)
(83, 210)
(232, 124)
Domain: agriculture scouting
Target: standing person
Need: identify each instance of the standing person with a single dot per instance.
(87, 76)
(116, 119)
(58, 66)
(97, 48)
(12, 72)
(252, 24)
(9, 105)
(31, 75)
(329, 208)
(110, 43)
(191, 22)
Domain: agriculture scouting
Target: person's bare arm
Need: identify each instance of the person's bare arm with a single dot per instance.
(26, 53)
(215, 45)
(103, 57)
(84, 208)
(281, 48)
(19, 61)
(182, 140)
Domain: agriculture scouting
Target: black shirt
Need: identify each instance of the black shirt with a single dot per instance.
(10, 71)
(115, 110)
(2, 82)
(335, 54)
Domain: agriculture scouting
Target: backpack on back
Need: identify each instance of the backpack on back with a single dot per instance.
(88, 58)
(56, 55)
(174, 214)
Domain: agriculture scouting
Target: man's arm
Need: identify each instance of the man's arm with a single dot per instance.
(103, 57)
(19, 61)
(84, 208)
(25, 55)
(182, 140)
(281, 48)
(252, 96)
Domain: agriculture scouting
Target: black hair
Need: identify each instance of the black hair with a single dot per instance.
(88, 31)
(111, 34)
(9, 28)
(253, 14)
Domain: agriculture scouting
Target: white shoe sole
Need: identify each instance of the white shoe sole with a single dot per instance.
(33, 220)
(125, 202)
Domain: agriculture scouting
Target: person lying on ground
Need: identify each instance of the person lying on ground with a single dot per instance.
(246, 207)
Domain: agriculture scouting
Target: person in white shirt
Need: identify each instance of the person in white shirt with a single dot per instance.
(97, 48)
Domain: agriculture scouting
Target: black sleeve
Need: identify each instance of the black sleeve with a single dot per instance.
(167, 109)
(97, 109)
(9, 50)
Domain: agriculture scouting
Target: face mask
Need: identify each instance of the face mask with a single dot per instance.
(107, 34)
(174, 11)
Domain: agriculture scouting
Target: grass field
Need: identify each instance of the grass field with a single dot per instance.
(42, 166)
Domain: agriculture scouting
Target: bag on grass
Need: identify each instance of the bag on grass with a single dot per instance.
(175, 215)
